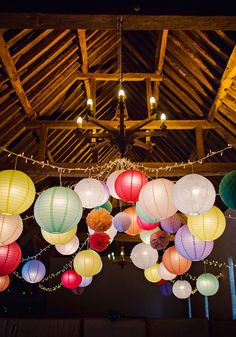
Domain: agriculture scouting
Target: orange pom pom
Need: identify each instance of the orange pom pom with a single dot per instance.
(99, 220)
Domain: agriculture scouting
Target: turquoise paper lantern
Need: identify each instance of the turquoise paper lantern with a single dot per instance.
(227, 189)
(144, 216)
(58, 209)
(207, 284)
(107, 206)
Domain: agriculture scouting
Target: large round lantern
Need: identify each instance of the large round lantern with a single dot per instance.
(144, 216)
(33, 271)
(134, 228)
(111, 183)
(207, 284)
(143, 256)
(155, 198)
(107, 206)
(128, 185)
(171, 224)
(11, 227)
(99, 220)
(121, 221)
(190, 247)
(164, 273)
(4, 282)
(58, 209)
(105, 196)
(151, 273)
(193, 194)
(87, 263)
(166, 289)
(209, 225)
(159, 240)
(68, 248)
(227, 189)
(145, 236)
(182, 289)
(59, 238)
(86, 281)
(91, 192)
(70, 279)
(99, 241)
(10, 257)
(147, 226)
(17, 192)
(174, 262)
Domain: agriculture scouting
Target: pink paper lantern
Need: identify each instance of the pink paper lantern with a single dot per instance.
(129, 184)
(147, 226)
(70, 279)
(10, 257)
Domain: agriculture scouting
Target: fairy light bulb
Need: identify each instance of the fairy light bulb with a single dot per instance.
(163, 117)
(79, 122)
(90, 103)
(152, 102)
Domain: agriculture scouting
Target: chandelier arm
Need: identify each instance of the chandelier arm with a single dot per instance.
(101, 124)
(100, 145)
(139, 125)
(144, 146)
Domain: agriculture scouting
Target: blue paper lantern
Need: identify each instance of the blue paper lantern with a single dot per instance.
(166, 289)
(227, 189)
(58, 209)
(33, 271)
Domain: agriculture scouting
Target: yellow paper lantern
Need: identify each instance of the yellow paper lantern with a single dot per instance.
(87, 263)
(17, 192)
(207, 226)
(59, 238)
(152, 274)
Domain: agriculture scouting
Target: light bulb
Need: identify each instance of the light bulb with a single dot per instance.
(90, 103)
(163, 117)
(79, 122)
(121, 93)
(152, 102)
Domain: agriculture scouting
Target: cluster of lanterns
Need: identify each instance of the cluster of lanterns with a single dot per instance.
(156, 216)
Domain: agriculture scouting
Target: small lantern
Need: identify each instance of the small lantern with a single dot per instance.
(87, 263)
(207, 284)
(143, 256)
(174, 262)
(68, 248)
(182, 289)
(33, 271)
(152, 274)
(70, 279)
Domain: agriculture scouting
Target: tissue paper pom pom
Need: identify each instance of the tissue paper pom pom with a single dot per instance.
(159, 240)
(99, 220)
(99, 241)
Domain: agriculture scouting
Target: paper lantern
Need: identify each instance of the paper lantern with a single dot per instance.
(107, 206)
(152, 274)
(143, 256)
(227, 189)
(174, 262)
(193, 194)
(190, 247)
(87, 263)
(4, 282)
(99, 241)
(78, 291)
(11, 227)
(147, 226)
(10, 257)
(99, 220)
(171, 224)
(134, 228)
(86, 280)
(159, 240)
(209, 225)
(111, 183)
(68, 248)
(33, 271)
(111, 232)
(155, 198)
(146, 235)
(17, 192)
(144, 216)
(207, 284)
(166, 289)
(91, 192)
(164, 273)
(106, 194)
(70, 279)
(58, 209)
(59, 238)
(121, 221)
(158, 283)
(182, 289)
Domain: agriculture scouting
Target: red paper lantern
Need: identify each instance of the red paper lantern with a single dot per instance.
(147, 226)
(174, 262)
(70, 279)
(99, 241)
(159, 240)
(128, 185)
(4, 282)
(10, 257)
(134, 228)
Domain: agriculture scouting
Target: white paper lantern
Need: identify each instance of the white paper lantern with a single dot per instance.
(86, 280)
(11, 227)
(146, 235)
(193, 194)
(143, 256)
(182, 289)
(69, 248)
(155, 198)
(91, 192)
(164, 273)
(111, 183)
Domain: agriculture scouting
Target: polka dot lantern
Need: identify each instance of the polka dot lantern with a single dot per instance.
(121, 221)
(182, 289)
(33, 271)
(174, 262)
(11, 227)
(171, 224)
(207, 284)
(143, 256)
(227, 189)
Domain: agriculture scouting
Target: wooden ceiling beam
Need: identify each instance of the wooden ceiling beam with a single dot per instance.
(116, 76)
(84, 54)
(130, 22)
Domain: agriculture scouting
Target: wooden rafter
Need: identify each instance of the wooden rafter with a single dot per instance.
(116, 77)
(83, 48)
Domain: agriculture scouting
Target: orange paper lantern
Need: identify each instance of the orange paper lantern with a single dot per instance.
(134, 228)
(4, 282)
(174, 262)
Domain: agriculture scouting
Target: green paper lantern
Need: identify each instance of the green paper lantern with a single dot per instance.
(227, 189)
(107, 206)
(144, 216)
(207, 284)
(58, 209)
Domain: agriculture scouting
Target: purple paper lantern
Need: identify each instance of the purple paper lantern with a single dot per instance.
(171, 224)
(166, 289)
(121, 221)
(190, 247)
